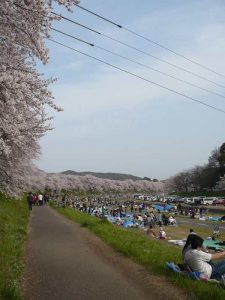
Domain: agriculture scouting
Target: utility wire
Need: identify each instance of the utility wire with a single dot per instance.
(97, 15)
(146, 53)
(78, 39)
(72, 21)
(136, 62)
(137, 76)
(131, 31)
(150, 40)
(174, 52)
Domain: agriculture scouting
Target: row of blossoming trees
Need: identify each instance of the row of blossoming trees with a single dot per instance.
(24, 96)
(58, 181)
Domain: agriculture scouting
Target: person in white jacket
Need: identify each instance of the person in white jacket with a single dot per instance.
(202, 262)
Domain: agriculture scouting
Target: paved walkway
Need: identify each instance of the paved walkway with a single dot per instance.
(64, 261)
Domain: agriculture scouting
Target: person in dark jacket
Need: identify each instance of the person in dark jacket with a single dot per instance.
(30, 200)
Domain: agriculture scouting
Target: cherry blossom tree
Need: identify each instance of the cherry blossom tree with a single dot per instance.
(24, 93)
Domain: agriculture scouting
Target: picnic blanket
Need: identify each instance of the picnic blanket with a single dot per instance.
(180, 243)
(162, 208)
(128, 224)
(214, 218)
(213, 244)
(175, 268)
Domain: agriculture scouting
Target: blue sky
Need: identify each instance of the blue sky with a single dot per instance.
(113, 122)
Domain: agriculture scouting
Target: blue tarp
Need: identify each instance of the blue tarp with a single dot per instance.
(217, 218)
(127, 223)
(111, 219)
(176, 269)
(214, 218)
(162, 208)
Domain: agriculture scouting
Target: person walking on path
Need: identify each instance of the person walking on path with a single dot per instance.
(30, 200)
(40, 200)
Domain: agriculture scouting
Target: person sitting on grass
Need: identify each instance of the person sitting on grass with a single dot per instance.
(187, 245)
(172, 221)
(162, 234)
(200, 261)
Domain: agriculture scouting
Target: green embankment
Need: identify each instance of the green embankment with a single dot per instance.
(149, 252)
(14, 216)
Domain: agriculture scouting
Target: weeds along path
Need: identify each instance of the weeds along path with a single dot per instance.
(65, 261)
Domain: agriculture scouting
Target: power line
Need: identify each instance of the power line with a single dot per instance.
(174, 52)
(78, 39)
(99, 16)
(136, 62)
(76, 23)
(139, 35)
(140, 77)
(144, 52)
(150, 40)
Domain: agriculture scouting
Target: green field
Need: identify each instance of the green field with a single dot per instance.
(151, 253)
(14, 216)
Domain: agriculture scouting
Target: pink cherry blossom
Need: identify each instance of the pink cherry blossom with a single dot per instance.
(24, 93)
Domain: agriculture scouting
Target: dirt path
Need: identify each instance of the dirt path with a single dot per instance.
(64, 261)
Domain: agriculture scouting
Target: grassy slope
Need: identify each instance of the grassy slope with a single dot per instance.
(14, 217)
(149, 252)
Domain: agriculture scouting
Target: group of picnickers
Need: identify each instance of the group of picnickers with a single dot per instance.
(38, 199)
(125, 213)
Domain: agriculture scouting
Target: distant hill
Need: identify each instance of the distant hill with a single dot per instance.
(113, 176)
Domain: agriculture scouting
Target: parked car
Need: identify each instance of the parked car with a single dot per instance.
(197, 200)
(220, 201)
(208, 200)
(188, 200)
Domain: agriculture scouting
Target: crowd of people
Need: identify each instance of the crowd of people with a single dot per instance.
(126, 213)
(37, 199)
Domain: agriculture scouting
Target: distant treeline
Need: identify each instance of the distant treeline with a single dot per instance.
(201, 178)
(111, 176)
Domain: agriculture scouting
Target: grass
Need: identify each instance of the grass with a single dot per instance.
(151, 253)
(181, 231)
(14, 217)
